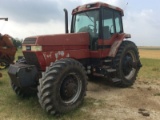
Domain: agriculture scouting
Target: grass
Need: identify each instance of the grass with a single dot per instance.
(150, 69)
(150, 59)
(15, 108)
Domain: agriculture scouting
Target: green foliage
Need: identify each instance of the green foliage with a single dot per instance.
(18, 53)
(17, 42)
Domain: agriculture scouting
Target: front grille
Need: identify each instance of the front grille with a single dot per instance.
(29, 41)
(31, 58)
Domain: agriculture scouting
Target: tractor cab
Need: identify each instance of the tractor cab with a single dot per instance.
(101, 21)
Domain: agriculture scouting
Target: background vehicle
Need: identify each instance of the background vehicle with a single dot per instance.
(59, 64)
(7, 49)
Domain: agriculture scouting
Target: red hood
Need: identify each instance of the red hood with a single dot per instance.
(64, 39)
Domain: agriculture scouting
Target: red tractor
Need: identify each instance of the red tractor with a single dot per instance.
(60, 64)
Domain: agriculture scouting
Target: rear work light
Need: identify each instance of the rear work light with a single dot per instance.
(32, 48)
(90, 5)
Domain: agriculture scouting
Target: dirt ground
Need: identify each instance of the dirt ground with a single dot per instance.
(139, 102)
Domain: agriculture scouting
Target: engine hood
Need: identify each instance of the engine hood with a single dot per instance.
(59, 39)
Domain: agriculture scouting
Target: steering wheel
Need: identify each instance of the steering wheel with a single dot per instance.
(91, 27)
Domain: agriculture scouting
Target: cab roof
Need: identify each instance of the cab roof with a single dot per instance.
(95, 5)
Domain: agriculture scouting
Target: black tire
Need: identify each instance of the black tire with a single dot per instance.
(127, 64)
(62, 86)
(3, 64)
(23, 92)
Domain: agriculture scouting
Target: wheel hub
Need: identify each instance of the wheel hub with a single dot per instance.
(69, 88)
(127, 64)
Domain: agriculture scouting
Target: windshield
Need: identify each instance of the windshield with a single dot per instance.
(87, 22)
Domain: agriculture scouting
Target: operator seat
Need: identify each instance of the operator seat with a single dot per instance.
(106, 32)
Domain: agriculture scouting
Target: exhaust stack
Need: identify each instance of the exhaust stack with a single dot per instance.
(66, 20)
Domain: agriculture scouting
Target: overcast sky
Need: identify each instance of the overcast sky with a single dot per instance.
(38, 17)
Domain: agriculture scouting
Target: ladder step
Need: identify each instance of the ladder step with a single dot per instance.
(107, 60)
(116, 79)
(111, 70)
(98, 74)
(106, 67)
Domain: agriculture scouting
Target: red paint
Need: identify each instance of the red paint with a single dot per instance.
(55, 47)
(96, 54)
(116, 43)
(45, 58)
(74, 46)
(64, 39)
(95, 5)
(108, 41)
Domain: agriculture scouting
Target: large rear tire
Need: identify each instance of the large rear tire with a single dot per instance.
(63, 86)
(127, 64)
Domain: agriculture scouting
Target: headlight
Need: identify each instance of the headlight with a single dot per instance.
(36, 48)
(23, 48)
(31, 48)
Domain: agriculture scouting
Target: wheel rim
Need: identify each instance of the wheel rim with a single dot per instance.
(3, 65)
(70, 88)
(127, 65)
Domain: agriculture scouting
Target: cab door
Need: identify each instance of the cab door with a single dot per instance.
(111, 27)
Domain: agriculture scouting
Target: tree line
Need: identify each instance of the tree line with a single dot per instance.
(17, 42)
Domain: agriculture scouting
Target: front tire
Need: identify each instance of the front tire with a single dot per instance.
(3, 64)
(24, 92)
(127, 64)
(63, 86)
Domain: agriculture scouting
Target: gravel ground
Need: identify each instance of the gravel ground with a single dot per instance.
(139, 102)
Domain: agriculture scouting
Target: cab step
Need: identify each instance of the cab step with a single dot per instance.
(111, 70)
(116, 79)
(107, 61)
(98, 74)
(106, 67)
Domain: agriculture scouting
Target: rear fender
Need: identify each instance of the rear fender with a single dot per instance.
(117, 43)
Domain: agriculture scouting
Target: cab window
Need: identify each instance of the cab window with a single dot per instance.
(111, 23)
(107, 24)
(118, 22)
